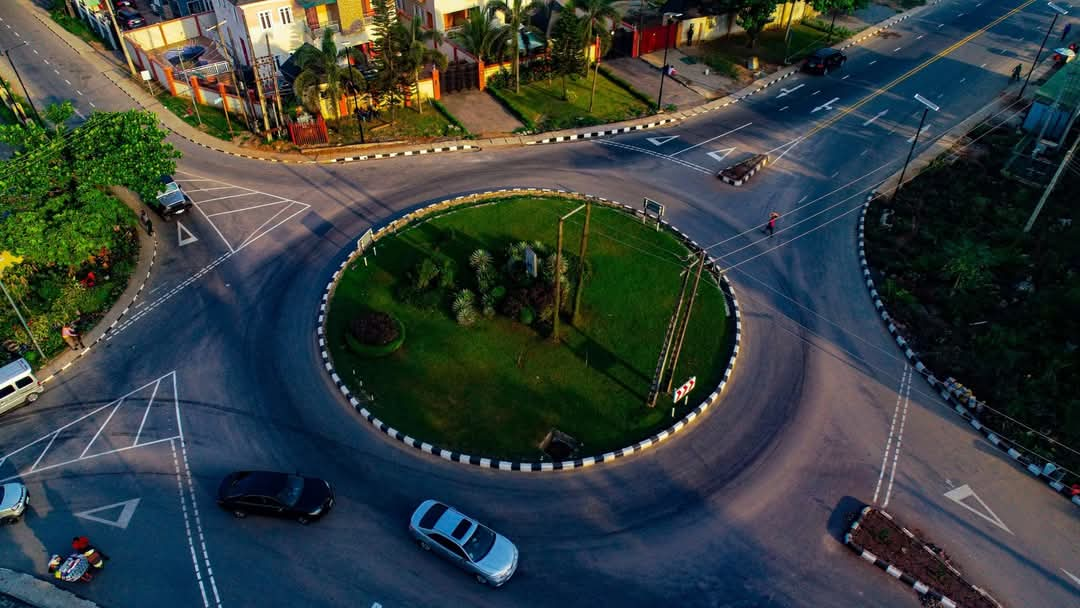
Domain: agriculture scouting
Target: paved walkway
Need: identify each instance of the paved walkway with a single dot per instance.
(481, 113)
(645, 76)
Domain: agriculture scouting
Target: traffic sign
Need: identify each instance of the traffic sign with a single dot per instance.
(684, 389)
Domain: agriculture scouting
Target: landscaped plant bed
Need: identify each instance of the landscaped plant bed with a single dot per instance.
(480, 372)
(879, 539)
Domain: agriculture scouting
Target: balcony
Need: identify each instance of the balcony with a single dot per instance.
(314, 35)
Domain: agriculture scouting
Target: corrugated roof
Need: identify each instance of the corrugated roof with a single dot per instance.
(1067, 78)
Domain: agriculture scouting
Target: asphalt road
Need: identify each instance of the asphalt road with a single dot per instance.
(218, 369)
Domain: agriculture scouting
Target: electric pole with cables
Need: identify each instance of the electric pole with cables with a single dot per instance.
(669, 338)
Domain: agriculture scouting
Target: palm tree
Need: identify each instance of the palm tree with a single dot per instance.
(515, 15)
(416, 53)
(320, 71)
(597, 15)
(482, 35)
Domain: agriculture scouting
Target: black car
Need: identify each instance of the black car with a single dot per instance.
(304, 499)
(129, 18)
(824, 61)
(172, 201)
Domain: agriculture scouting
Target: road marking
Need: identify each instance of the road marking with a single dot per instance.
(376, 605)
(81, 115)
(56, 71)
(941, 26)
(815, 92)
(121, 521)
(924, 131)
(870, 120)
(805, 196)
(963, 79)
(846, 76)
(826, 106)
(67, 81)
(864, 152)
(679, 161)
(146, 413)
(892, 429)
(1075, 578)
(920, 36)
(961, 14)
(718, 157)
(17, 34)
(872, 62)
(897, 49)
(978, 4)
(181, 231)
(899, 440)
(46, 62)
(35, 51)
(711, 139)
(92, 105)
(784, 108)
(789, 91)
(958, 496)
(659, 141)
(983, 65)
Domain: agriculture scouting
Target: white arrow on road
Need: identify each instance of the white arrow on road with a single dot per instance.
(963, 492)
(659, 141)
(720, 155)
(789, 91)
(826, 106)
(922, 133)
(181, 231)
(121, 521)
(876, 116)
(1072, 576)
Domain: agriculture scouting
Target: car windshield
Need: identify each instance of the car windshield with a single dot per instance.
(171, 196)
(479, 543)
(290, 494)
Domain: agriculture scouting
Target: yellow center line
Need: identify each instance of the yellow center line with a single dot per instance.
(831, 121)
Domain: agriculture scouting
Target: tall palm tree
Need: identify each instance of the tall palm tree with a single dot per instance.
(597, 14)
(515, 14)
(482, 35)
(416, 53)
(322, 70)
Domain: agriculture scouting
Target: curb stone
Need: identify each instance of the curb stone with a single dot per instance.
(949, 389)
(759, 162)
(39, 593)
(494, 463)
(919, 587)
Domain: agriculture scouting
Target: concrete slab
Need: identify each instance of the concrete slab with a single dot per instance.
(481, 113)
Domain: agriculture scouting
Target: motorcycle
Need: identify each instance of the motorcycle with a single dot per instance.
(79, 565)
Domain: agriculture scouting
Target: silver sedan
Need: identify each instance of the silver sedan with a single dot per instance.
(473, 547)
(13, 502)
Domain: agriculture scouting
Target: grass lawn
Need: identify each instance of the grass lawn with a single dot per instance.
(496, 388)
(543, 104)
(720, 54)
(407, 124)
(213, 119)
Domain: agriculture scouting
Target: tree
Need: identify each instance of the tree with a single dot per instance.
(322, 71)
(416, 54)
(58, 114)
(836, 8)
(516, 16)
(754, 15)
(392, 81)
(567, 58)
(482, 36)
(597, 15)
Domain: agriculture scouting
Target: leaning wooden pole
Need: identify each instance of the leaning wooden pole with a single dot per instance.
(661, 364)
(685, 321)
(581, 263)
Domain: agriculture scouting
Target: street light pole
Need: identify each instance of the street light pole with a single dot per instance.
(1058, 11)
(915, 140)
(7, 53)
(120, 38)
(667, 44)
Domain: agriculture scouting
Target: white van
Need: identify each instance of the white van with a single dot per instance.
(18, 385)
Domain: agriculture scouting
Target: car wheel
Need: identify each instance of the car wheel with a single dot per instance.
(304, 520)
(32, 397)
(480, 579)
(238, 514)
(11, 520)
(424, 545)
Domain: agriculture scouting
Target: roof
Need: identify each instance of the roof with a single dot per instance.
(1065, 82)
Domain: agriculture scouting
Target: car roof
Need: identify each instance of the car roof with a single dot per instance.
(242, 483)
(454, 525)
(825, 52)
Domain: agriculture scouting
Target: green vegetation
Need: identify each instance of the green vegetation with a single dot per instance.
(57, 215)
(408, 124)
(984, 302)
(456, 127)
(540, 106)
(629, 88)
(76, 26)
(213, 119)
(479, 371)
(724, 54)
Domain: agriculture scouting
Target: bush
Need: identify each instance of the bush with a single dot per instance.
(722, 65)
(526, 316)
(375, 329)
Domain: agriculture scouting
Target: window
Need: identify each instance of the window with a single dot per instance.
(449, 545)
(6, 390)
(264, 20)
(285, 13)
(24, 382)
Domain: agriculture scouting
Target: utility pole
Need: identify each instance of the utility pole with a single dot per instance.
(277, 93)
(232, 70)
(1058, 11)
(661, 365)
(120, 36)
(262, 100)
(915, 140)
(1050, 186)
(685, 321)
(787, 33)
(664, 68)
(7, 53)
(581, 263)
(558, 274)
(191, 86)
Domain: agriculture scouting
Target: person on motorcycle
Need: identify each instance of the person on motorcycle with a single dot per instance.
(73, 568)
(95, 556)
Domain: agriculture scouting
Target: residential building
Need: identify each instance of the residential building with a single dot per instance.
(440, 15)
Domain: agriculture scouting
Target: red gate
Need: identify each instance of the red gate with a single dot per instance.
(309, 133)
(656, 38)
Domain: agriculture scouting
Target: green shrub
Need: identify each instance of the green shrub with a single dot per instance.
(526, 316)
(367, 350)
(722, 65)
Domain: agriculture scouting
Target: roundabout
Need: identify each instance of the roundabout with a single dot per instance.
(482, 378)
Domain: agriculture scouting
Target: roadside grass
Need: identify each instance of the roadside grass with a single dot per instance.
(72, 24)
(213, 119)
(407, 124)
(496, 388)
(541, 104)
(723, 54)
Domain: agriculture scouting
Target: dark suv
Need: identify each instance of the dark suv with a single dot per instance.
(824, 61)
(172, 200)
(129, 18)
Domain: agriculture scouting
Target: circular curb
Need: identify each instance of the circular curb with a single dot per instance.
(949, 388)
(367, 241)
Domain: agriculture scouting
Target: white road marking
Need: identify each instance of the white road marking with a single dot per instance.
(963, 492)
(1075, 578)
(376, 605)
(92, 105)
(784, 92)
(897, 49)
(78, 91)
(121, 521)
(872, 62)
(67, 81)
(826, 106)
(963, 79)
(899, 439)
(194, 504)
(941, 26)
(17, 34)
(870, 120)
(805, 196)
(815, 92)
(35, 51)
(892, 429)
(978, 4)
(187, 527)
(56, 71)
(102, 427)
(81, 115)
(983, 65)
(718, 157)
(659, 141)
(46, 62)
(864, 152)
(679, 161)
(920, 36)
(961, 14)
(922, 133)
(673, 155)
(180, 231)
(784, 108)
(846, 76)
(146, 413)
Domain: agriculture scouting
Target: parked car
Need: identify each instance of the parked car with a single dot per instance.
(824, 61)
(172, 201)
(18, 385)
(129, 18)
(124, 4)
(470, 545)
(13, 502)
(304, 499)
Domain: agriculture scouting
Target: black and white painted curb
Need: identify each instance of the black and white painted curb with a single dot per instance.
(493, 463)
(104, 334)
(920, 587)
(603, 133)
(951, 391)
(757, 166)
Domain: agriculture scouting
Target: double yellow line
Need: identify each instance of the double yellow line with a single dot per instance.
(831, 121)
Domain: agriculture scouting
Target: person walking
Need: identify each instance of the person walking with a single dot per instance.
(71, 337)
(690, 35)
(771, 226)
(1016, 73)
(146, 222)
(1065, 30)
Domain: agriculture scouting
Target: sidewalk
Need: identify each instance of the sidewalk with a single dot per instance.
(481, 113)
(28, 590)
